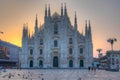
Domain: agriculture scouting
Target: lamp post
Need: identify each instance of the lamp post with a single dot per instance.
(111, 41)
(99, 50)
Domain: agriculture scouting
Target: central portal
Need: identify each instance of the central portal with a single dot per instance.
(55, 61)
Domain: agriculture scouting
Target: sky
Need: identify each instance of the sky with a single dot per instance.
(103, 14)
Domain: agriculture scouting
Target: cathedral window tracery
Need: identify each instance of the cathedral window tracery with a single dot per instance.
(41, 41)
(70, 41)
(70, 50)
(81, 50)
(41, 51)
(55, 28)
(55, 43)
(31, 51)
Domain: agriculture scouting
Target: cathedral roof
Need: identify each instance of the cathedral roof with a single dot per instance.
(55, 15)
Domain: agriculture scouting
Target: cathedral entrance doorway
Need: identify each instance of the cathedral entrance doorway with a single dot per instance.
(31, 63)
(70, 63)
(40, 63)
(55, 61)
(81, 63)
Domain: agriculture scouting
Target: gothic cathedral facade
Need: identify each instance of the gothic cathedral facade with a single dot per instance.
(56, 43)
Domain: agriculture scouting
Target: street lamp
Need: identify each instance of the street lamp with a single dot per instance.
(99, 50)
(111, 41)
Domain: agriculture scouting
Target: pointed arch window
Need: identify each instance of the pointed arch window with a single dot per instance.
(55, 43)
(41, 51)
(70, 41)
(41, 41)
(70, 50)
(81, 50)
(31, 51)
(55, 28)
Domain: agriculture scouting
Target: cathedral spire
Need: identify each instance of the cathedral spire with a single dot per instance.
(86, 23)
(65, 10)
(89, 29)
(89, 25)
(49, 13)
(36, 21)
(26, 29)
(23, 30)
(36, 24)
(75, 18)
(45, 10)
(86, 30)
(25, 34)
(75, 22)
(61, 9)
(29, 34)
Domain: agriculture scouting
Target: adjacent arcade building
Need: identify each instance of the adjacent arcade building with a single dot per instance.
(9, 55)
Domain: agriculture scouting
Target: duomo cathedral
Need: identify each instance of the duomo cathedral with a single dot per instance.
(57, 43)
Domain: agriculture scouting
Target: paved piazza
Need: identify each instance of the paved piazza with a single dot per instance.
(58, 74)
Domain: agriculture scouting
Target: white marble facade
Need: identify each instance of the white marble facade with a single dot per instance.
(57, 43)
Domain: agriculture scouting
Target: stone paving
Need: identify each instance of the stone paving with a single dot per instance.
(58, 74)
